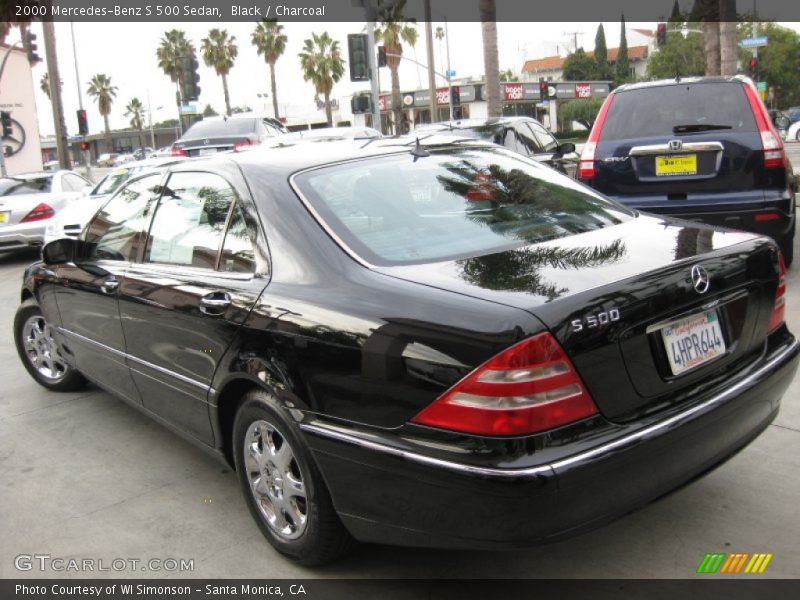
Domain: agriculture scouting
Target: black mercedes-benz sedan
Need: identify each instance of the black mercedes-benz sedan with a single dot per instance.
(437, 343)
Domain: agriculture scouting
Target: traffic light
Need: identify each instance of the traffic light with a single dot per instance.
(661, 34)
(83, 123)
(191, 78)
(5, 120)
(29, 42)
(543, 90)
(752, 67)
(381, 56)
(361, 103)
(455, 95)
(84, 146)
(359, 60)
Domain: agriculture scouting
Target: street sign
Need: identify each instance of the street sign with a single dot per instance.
(189, 109)
(762, 86)
(450, 73)
(754, 42)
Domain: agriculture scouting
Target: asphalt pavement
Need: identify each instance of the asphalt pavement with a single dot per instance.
(83, 475)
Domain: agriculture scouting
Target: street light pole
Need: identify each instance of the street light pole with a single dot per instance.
(371, 13)
(449, 71)
(431, 74)
(86, 158)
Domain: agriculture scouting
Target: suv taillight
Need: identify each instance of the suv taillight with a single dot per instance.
(779, 307)
(774, 157)
(530, 387)
(586, 164)
(40, 212)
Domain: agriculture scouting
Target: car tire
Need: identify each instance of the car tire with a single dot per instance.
(39, 351)
(797, 135)
(282, 485)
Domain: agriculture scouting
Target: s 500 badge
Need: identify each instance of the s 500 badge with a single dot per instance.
(595, 320)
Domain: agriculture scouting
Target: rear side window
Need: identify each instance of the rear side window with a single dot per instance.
(454, 203)
(693, 107)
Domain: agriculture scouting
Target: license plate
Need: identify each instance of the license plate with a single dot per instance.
(206, 151)
(676, 164)
(4, 217)
(693, 341)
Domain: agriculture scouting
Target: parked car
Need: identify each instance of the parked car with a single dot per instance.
(793, 113)
(331, 134)
(219, 134)
(52, 165)
(523, 135)
(780, 121)
(123, 159)
(107, 159)
(161, 152)
(698, 148)
(431, 342)
(29, 201)
(793, 133)
(142, 153)
(70, 221)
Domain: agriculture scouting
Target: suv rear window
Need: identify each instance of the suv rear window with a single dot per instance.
(454, 203)
(221, 127)
(656, 111)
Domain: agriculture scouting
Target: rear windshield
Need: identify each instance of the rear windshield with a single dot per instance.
(221, 127)
(693, 107)
(452, 204)
(13, 187)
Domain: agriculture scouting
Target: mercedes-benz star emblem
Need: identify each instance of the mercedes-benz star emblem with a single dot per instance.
(206, 141)
(700, 279)
(675, 145)
(15, 142)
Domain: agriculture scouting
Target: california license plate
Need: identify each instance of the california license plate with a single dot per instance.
(693, 341)
(4, 216)
(206, 151)
(676, 164)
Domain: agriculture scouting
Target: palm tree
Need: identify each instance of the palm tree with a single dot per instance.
(393, 30)
(439, 35)
(103, 92)
(135, 110)
(219, 52)
(174, 47)
(491, 61)
(44, 84)
(322, 64)
(270, 42)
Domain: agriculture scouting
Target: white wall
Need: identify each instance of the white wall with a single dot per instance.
(17, 97)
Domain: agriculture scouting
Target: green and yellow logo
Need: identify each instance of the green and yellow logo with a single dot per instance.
(736, 563)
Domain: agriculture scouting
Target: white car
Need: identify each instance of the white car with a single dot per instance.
(29, 201)
(71, 221)
(123, 159)
(793, 133)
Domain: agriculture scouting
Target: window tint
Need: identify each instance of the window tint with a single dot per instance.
(221, 127)
(546, 140)
(117, 229)
(237, 252)
(189, 222)
(526, 139)
(73, 183)
(654, 112)
(12, 186)
(454, 203)
(512, 142)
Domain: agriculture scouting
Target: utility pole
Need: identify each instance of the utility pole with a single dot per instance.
(87, 161)
(150, 122)
(371, 14)
(449, 77)
(55, 93)
(431, 74)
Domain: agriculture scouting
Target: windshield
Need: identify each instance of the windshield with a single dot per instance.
(452, 204)
(675, 109)
(220, 128)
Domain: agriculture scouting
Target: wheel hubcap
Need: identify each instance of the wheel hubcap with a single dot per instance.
(42, 350)
(276, 481)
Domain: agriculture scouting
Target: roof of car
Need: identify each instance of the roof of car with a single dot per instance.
(468, 123)
(680, 81)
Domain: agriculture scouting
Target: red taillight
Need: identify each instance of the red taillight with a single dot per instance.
(243, 144)
(770, 140)
(177, 151)
(40, 212)
(586, 164)
(532, 386)
(779, 307)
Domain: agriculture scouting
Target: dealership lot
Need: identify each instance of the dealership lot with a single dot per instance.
(86, 477)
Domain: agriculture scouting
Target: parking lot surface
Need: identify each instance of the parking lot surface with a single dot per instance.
(83, 475)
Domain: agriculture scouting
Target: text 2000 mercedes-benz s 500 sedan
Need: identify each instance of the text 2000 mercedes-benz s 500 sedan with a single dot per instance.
(436, 343)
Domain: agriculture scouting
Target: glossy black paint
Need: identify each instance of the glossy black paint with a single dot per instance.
(361, 350)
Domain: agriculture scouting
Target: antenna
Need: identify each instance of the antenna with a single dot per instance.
(419, 151)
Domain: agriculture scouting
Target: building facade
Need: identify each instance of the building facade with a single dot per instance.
(22, 151)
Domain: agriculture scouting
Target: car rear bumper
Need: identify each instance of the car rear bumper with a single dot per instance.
(390, 492)
(21, 236)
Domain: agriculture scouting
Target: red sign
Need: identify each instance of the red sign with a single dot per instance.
(381, 102)
(443, 95)
(513, 91)
(583, 90)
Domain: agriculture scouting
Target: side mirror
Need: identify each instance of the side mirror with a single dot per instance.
(59, 252)
(566, 148)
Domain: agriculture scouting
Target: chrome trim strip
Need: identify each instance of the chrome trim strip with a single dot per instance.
(629, 440)
(127, 356)
(665, 149)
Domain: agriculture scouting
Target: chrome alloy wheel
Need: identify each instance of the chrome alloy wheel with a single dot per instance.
(276, 481)
(42, 350)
